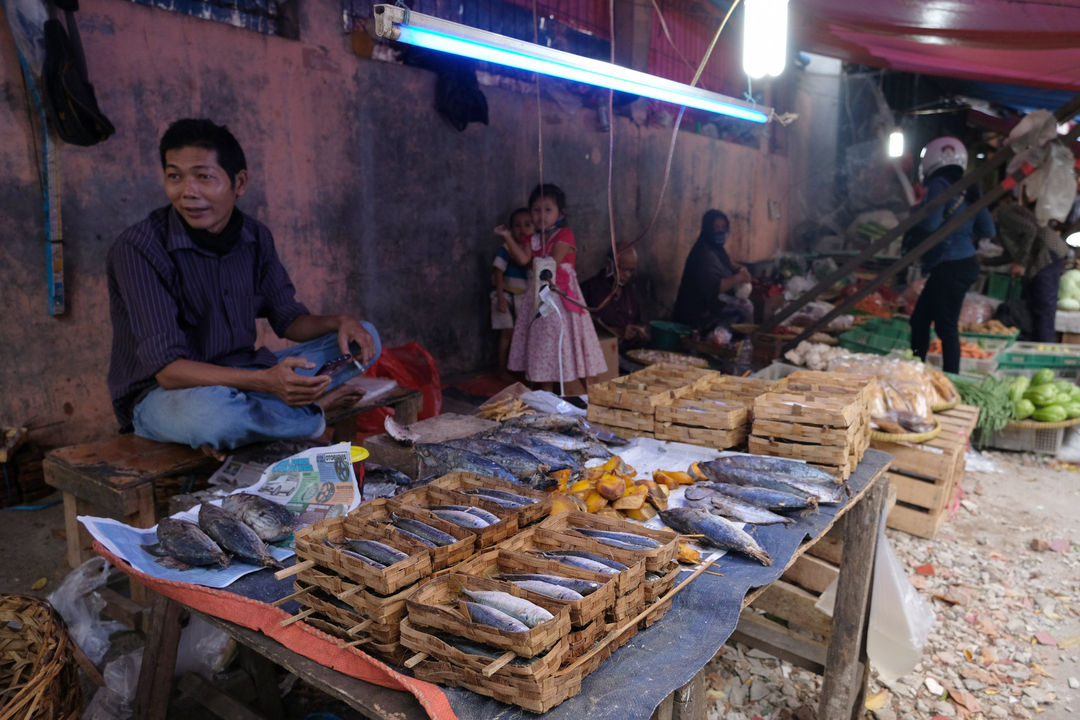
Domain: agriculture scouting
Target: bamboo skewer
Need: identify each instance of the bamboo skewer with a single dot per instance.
(281, 601)
(358, 628)
(294, 569)
(298, 616)
(498, 663)
(415, 660)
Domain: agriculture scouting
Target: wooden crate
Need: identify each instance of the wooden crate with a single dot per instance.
(643, 390)
(818, 454)
(811, 408)
(715, 413)
(718, 439)
(622, 420)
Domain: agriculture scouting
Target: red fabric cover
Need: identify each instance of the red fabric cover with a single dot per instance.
(299, 636)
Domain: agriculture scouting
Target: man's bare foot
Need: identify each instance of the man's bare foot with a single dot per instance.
(341, 398)
(211, 452)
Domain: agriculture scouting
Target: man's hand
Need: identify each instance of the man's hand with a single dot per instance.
(1016, 270)
(743, 275)
(350, 330)
(633, 332)
(296, 390)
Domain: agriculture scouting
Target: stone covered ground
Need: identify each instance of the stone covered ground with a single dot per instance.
(1003, 577)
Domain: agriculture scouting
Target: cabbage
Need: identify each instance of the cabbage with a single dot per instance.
(1069, 304)
(1070, 285)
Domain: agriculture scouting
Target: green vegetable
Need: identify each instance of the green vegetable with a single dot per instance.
(1023, 409)
(1072, 410)
(1019, 387)
(1074, 392)
(1064, 386)
(991, 396)
(1050, 413)
(1041, 395)
(1046, 375)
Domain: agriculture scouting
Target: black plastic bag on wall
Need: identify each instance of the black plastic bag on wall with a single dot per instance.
(458, 98)
(69, 96)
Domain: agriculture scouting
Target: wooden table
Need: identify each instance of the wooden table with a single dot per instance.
(844, 664)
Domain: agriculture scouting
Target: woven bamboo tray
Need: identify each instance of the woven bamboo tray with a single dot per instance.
(582, 612)
(907, 437)
(39, 679)
(942, 407)
(393, 653)
(538, 539)
(627, 606)
(420, 640)
(380, 513)
(353, 623)
(645, 389)
(457, 482)
(310, 547)
(435, 605)
(422, 498)
(583, 638)
(380, 608)
(659, 586)
(655, 614)
(535, 696)
(656, 560)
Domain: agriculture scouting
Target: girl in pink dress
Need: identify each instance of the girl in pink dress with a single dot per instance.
(536, 345)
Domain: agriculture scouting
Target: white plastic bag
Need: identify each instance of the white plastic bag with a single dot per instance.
(545, 402)
(900, 620)
(80, 606)
(116, 699)
(203, 648)
(1058, 188)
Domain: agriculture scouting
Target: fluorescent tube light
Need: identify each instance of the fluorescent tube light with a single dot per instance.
(896, 144)
(764, 37)
(397, 23)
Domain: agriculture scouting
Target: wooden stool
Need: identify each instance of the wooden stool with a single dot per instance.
(114, 478)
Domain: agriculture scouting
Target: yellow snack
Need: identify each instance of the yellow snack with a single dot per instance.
(688, 554)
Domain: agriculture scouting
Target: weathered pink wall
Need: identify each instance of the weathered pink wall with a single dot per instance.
(377, 205)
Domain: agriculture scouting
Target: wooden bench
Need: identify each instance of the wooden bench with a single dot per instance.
(115, 478)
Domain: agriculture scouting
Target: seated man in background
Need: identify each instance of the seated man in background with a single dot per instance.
(185, 288)
(712, 290)
(621, 315)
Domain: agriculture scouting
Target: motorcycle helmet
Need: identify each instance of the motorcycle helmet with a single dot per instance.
(940, 152)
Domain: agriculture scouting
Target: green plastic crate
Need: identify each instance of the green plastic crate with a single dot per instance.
(1003, 287)
(1040, 355)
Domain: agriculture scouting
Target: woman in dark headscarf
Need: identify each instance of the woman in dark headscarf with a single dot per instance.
(709, 273)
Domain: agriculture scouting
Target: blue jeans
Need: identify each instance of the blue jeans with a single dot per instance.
(225, 418)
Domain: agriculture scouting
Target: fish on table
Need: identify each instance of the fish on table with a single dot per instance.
(733, 508)
(546, 453)
(714, 530)
(780, 466)
(582, 587)
(525, 466)
(734, 475)
(229, 532)
(501, 497)
(441, 459)
(775, 500)
(182, 545)
(271, 521)
(516, 607)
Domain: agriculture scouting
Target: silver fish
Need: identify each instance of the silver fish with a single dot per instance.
(542, 451)
(463, 519)
(489, 493)
(271, 521)
(489, 517)
(551, 423)
(715, 531)
(377, 551)
(582, 587)
(234, 536)
(774, 500)
(471, 648)
(585, 563)
(736, 509)
(345, 550)
(518, 608)
(780, 466)
(486, 615)
(432, 535)
(517, 460)
(735, 475)
(640, 541)
(550, 589)
(415, 537)
(184, 542)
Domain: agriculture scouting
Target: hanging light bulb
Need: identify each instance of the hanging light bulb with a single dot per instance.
(765, 37)
(1073, 240)
(896, 144)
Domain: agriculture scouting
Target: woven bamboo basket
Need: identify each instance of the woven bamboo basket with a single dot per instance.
(352, 622)
(656, 559)
(38, 675)
(424, 497)
(658, 586)
(459, 482)
(381, 514)
(907, 437)
(582, 612)
(539, 539)
(436, 645)
(627, 606)
(1036, 425)
(380, 608)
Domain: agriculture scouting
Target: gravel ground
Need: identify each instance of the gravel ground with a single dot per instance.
(1002, 575)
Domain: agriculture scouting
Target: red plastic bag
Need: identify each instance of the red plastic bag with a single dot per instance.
(412, 367)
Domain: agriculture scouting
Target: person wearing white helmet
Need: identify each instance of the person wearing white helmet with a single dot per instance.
(950, 265)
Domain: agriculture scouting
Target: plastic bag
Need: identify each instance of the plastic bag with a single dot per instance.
(1058, 189)
(900, 620)
(412, 367)
(80, 606)
(549, 403)
(116, 699)
(203, 648)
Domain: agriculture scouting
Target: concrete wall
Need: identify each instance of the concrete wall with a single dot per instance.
(379, 208)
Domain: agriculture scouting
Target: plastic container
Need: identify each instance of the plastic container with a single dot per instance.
(668, 335)
(1001, 286)
(1046, 441)
(1041, 355)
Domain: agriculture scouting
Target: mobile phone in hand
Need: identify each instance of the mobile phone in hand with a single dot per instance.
(335, 366)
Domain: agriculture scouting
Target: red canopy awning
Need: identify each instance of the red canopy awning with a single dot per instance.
(1024, 42)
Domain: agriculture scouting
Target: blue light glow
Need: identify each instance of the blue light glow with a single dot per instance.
(584, 70)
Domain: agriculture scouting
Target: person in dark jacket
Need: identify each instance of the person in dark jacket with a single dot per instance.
(1036, 253)
(710, 278)
(950, 265)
